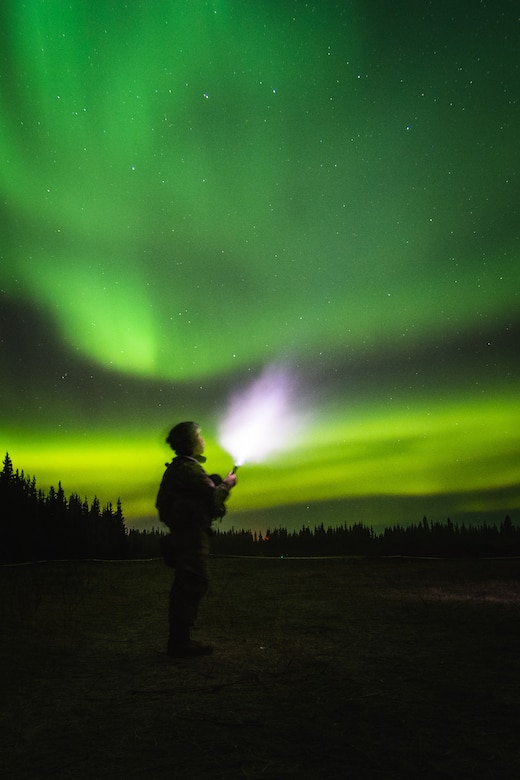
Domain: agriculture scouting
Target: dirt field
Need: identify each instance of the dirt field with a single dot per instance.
(346, 668)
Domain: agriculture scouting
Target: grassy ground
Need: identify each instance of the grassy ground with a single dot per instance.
(322, 668)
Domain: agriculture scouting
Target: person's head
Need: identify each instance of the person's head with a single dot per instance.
(185, 439)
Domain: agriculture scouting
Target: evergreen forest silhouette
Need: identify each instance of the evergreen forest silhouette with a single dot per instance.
(35, 525)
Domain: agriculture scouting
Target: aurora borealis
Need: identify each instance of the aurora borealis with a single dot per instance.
(192, 192)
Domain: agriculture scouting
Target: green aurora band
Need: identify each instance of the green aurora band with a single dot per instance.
(191, 191)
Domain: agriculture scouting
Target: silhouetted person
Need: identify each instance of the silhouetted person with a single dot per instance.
(188, 501)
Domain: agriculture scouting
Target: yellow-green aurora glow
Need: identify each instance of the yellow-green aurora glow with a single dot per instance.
(192, 191)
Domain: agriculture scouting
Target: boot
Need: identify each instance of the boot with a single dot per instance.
(180, 645)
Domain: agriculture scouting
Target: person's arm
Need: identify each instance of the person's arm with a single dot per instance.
(223, 490)
(201, 486)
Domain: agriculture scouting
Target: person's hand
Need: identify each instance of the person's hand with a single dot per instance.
(231, 479)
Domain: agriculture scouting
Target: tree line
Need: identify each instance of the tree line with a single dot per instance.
(48, 526)
(427, 539)
(35, 525)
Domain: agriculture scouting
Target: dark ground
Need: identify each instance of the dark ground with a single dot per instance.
(335, 668)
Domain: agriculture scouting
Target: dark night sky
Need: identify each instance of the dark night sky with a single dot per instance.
(192, 193)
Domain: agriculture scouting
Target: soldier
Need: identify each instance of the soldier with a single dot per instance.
(188, 501)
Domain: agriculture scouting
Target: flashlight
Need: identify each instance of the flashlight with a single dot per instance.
(235, 467)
